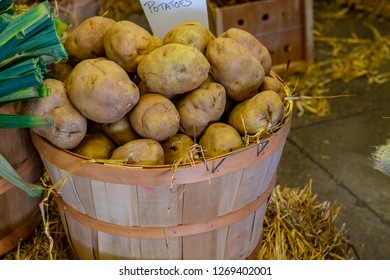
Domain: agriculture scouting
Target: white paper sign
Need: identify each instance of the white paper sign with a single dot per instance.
(162, 15)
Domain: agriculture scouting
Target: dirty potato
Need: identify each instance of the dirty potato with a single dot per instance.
(155, 117)
(140, 152)
(127, 43)
(173, 69)
(86, 40)
(69, 126)
(252, 44)
(191, 33)
(261, 112)
(178, 149)
(233, 66)
(201, 107)
(101, 90)
(218, 139)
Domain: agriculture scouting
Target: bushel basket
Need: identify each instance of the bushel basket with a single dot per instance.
(19, 213)
(211, 210)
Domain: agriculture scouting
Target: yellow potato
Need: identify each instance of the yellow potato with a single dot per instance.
(261, 112)
(178, 148)
(220, 138)
(272, 82)
(121, 131)
(95, 146)
(60, 70)
(140, 152)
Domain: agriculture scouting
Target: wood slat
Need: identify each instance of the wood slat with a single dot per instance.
(18, 210)
(219, 216)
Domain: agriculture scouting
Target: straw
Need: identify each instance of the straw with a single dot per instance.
(374, 9)
(298, 226)
(350, 58)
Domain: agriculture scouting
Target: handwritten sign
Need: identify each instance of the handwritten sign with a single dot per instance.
(162, 15)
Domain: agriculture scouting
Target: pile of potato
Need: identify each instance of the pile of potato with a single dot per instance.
(144, 100)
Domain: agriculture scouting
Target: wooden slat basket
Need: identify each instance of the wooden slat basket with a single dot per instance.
(211, 210)
(19, 213)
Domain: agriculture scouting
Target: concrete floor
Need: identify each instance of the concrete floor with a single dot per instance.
(335, 151)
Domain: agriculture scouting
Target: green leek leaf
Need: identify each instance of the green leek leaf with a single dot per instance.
(22, 121)
(10, 174)
(26, 94)
(61, 26)
(4, 4)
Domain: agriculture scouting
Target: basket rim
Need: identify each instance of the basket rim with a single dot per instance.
(161, 175)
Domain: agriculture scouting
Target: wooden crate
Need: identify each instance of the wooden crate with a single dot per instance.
(75, 12)
(283, 26)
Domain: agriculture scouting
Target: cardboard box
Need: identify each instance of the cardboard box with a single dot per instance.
(283, 26)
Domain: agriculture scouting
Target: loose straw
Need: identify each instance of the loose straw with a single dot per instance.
(349, 59)
(298, 226)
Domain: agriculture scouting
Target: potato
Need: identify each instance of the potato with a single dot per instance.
(68, 126)
(101, 90)
(86, 40)
(140, 152)
(121, 131)
(233, 66)
(178, 148)
(200, 107)
(255, 47)
(263, 111)
(60, 70)
(155, 117)
(220, 138)
(173, 69)
(95, 146)
(191, 33)
(159, 42)
(127, 43)
(272, 82)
